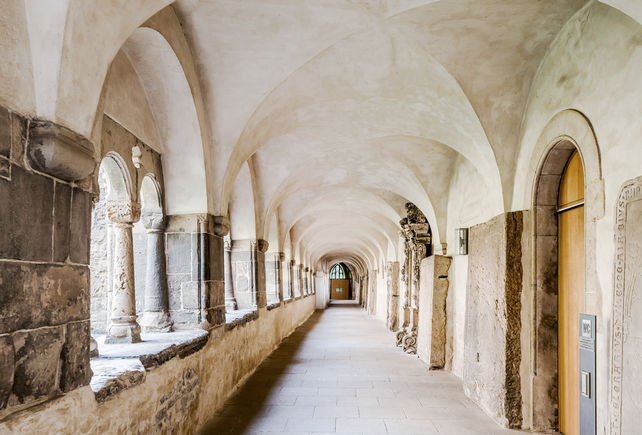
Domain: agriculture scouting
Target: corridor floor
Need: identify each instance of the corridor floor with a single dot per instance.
(341, 373)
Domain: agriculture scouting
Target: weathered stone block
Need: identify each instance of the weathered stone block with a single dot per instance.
(216, 258)
(18, 137)
(37, 355)
(431, 335)
(36, 295)
(190, 296)
(26, 220)
(80, 226)
(174, 283)
(75, 369)
(62, 213)
(5, 168)
(5, 132)
(492, 350)
(179, 253)
(6, 373)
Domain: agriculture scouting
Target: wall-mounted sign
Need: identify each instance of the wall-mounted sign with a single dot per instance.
(462, 241)
(339, 290)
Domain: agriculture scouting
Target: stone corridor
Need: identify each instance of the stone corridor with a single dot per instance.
(341, 373)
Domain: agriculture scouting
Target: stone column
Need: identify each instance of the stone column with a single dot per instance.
(306, 282)
(123, 328)
(279, 275)
(156, 315)
(296, 281)
(392, 282)
(230, 300)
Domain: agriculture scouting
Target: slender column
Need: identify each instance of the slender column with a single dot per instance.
(279, 274)
(156, 315)
(123, 328)
(306, 282)
(230, 300)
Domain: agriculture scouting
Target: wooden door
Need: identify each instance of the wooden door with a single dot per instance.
(570, 291)
(340, 288)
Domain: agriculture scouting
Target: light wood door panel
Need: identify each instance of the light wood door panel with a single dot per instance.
(342, 284)
(570, 293)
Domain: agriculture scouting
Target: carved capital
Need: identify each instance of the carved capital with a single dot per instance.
(123, 212)
(262, 245)
(221, 226)
(60, 152)
(153, 221)
(281, 256)
(227, 244)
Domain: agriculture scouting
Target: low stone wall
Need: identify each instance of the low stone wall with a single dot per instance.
(176, 397)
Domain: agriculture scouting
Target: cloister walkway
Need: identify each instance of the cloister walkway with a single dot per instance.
(341, 373)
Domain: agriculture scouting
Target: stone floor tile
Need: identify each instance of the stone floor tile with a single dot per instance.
(364, 425)
(335, 411)
(310, 424)
(381, 412)
(416, 426)
(317, 400)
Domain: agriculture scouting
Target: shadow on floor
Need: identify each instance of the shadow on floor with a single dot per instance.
(249, 402)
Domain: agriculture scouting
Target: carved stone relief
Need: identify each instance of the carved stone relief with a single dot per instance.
(626, 366)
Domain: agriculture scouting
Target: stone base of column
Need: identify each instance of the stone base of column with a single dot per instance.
(230, 304)
(156, 321)
(93, 348)
(124, 331)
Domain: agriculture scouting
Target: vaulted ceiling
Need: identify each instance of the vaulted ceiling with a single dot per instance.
(345, 109)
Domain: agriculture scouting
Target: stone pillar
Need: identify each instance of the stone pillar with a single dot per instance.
(156, 315)
(195, 257)
(296, 281)
(288, 291)
(431, 339)
(123, 327)
(274, 288)
(306, 282)
(259, 272)
(248, 268)
(230, 300)
(392, 284)
(279, 275)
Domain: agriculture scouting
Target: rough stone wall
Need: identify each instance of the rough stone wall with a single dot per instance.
(431, 332)
(44, 276)
(176, 397)
(492, 353)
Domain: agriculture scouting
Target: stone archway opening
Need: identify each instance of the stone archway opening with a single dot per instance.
(547, 303)
(149, 259)
(113, 308)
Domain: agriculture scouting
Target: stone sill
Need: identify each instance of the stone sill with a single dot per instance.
(239, 317)
(287, 301)
(122, 366)
(273, 305)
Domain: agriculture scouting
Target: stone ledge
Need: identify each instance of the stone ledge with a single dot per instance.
(113, 375)
(239, 317)
(273, 306)
(122, 366)
(287, 301)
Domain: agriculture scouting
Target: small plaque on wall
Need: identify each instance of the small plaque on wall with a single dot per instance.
(462, 241)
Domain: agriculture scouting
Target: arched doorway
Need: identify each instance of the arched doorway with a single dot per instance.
(559, 282)
(570, 214)
(340, 282)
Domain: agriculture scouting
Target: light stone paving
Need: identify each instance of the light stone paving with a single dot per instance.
(341, 373)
